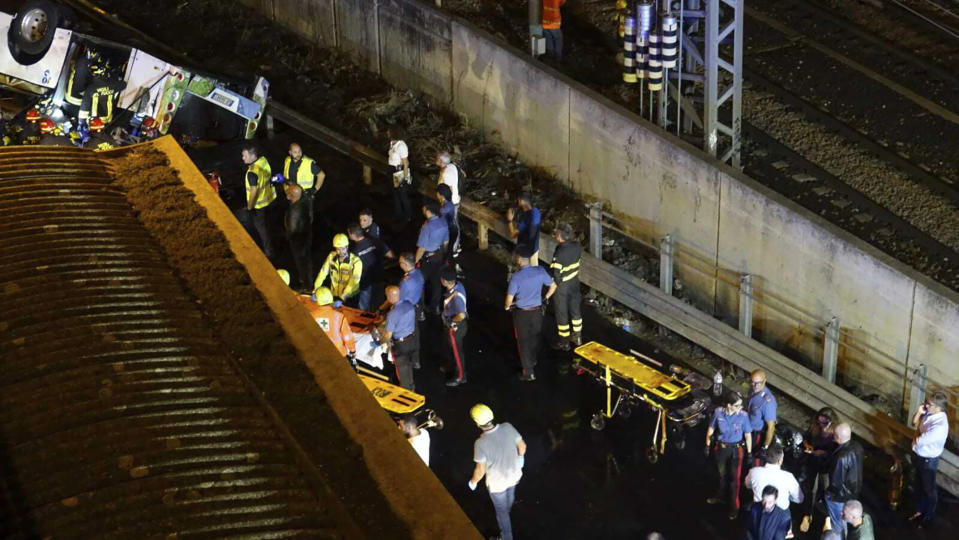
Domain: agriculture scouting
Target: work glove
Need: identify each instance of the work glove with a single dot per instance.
(337, 304)
(521, 461)
(472, 485)
(277, 179)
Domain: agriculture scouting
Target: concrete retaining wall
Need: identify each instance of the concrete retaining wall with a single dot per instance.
(805, 270)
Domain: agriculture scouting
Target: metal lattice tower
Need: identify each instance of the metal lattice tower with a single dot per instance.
(708, 27)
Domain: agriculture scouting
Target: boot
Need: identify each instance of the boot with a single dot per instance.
(577, 338)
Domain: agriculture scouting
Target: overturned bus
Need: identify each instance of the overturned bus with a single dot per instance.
(58, 82)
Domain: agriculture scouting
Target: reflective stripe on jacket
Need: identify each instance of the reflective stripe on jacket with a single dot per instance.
(266, 193)
(344, 275)
(304, 173)
(552, 18)
(565, 266)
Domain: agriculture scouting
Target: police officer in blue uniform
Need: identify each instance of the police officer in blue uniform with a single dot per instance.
(761, 407)
(454, 319)
(431, 253)
(400, 331)
(731, 427)
(411, 290)
(526, 290)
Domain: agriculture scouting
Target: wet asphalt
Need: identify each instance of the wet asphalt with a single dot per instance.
(578, 482)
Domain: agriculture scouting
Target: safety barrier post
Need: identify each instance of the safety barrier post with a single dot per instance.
(830, 355)
(666, 265)
(596, 229)
(482, 236)
(917, 393)
(746, 305)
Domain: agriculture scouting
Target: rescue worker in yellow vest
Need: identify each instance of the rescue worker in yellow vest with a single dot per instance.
(305, 171)
(552, 21)
(344, 269)
(260, 193)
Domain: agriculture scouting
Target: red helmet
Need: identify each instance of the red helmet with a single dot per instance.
(96, 124)
(47, 126)
(33, 115)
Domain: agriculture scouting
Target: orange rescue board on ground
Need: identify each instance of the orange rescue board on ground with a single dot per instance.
(361, 322)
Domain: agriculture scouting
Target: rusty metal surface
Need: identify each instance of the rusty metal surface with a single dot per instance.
(120, 414)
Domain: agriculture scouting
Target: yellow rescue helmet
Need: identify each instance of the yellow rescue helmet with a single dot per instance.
(341, 241)
(323, 296)
(481, 414)
(284, 275)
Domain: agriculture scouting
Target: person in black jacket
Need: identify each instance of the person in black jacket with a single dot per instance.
(845, 475)
(767, 521)
(565, 270)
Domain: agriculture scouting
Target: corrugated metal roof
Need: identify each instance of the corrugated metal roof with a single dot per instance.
(120, 414)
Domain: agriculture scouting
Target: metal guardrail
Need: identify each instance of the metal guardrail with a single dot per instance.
(802, 384)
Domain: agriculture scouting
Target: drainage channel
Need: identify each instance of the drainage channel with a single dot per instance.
(121, 416)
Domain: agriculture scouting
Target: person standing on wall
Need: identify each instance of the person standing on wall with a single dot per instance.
(552, 21)
(932, 430)
(260, 194)
(499, 454)
(565, 269)
(398, 157)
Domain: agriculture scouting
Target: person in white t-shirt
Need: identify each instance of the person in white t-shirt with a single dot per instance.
(932, 430)
(419, 438)
(772, 474)
(398, 157)
(449, 175)
(499, 454)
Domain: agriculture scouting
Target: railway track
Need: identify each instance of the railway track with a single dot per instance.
(121, 415)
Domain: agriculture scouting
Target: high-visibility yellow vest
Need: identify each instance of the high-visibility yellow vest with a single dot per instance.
(266, 193)
(304, 174)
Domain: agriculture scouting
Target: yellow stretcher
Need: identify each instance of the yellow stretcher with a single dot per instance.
(636, 382)
(395, 399)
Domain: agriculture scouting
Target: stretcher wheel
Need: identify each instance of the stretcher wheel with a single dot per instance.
(598, 421)
(652, 454)
(625, 411)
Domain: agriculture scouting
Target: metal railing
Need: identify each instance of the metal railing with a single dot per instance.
(829, 332)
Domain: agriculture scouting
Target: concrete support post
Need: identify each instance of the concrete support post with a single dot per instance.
(482, 236)
(367, 175)
(596, 229)
(666, 260)
(830, 355)
(746, 305)
(269, 127)
(917, 392)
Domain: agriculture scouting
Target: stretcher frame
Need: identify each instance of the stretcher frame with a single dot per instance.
(636, 382)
